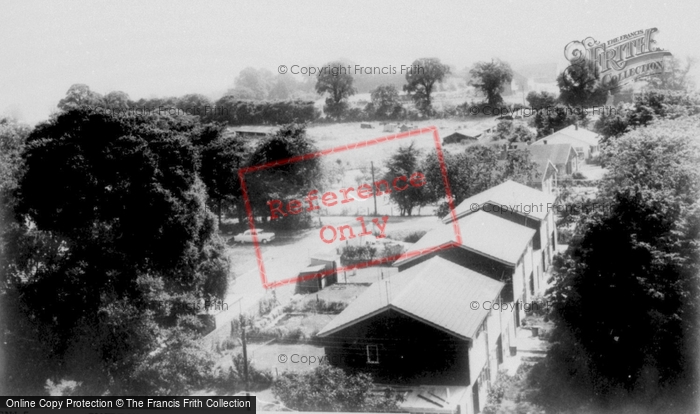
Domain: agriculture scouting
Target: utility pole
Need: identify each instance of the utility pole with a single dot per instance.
(374, 193)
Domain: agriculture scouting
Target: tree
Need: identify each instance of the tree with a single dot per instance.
(475, 170)
(253, 84)
(385, 103)
(421, 80)
(12, 138)
(118, 239)
(117, 100)
(338, 84)
(79, 95)
(490, 77)
(580, 86)
(648, 107)
(283, 182)
(637, 253)
(283, 87)
(558, 117)
(194, 104)
(327, 388)
(677, 78)
(405, 162)
(541, 100)
(221, 158)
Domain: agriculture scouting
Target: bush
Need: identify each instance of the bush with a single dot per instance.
(392, 250)
(322, 306)
(414, 236)
(564, 235)
(266, 305)
(578, 175)
(355, 254)
(257, 379)
(228, 344)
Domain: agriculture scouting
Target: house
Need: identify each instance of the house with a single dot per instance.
(585, 142)
(487, 244)
(563, 156)
(320, 273)
(420, 328)
(469, 135)
(254, 131)
(546, 173)
(521, 205)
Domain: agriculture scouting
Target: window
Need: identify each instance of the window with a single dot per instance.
(372, 354)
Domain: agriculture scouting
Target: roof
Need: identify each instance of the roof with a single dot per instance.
(483, 233)
(467, 133)
(255, 129)
(557, 153)
(436, 292)
(585, 136)
(313, 269)
(507, 193)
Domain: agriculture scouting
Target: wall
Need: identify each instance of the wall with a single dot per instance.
(410, 352)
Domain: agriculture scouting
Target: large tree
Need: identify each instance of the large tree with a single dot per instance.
(338, 83)
(421, 80)
(116, 239)
(490, 78)
(678, 77)
(626, 293)
(253, 84)
(405, 162)
(283, 182)
(385, 103)
(78, 95)
(580, 85)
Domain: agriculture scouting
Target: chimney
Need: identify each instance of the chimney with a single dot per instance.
(576, 126)
(545, 142)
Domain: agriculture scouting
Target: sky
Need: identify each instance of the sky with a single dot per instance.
(158, 48)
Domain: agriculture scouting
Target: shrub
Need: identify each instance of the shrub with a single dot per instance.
(414, 236)
(266, 305)
(391, 250)
(564, 235)
(322, 306)
(228, 343)
(257, 379)
(354, 254)
(578, 175)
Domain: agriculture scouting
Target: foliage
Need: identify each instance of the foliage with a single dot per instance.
(558, 117)
(490, 78)
(580, 85)
(266, 305)
(414, 236)
(420, 82)
(677, 78)
(221, 157)
(639, 256)
(338, 84)
(353, 254)
(404, 163)
(323, 306)
(385, 103)
(392, 250)
(647, 107)
(235, 111)
(284, 182)
(79, 95)
(253, 84)
(114, 234)
(176, 367)
(476, 169)
(329, 389)
(541, 100)
(257, 379)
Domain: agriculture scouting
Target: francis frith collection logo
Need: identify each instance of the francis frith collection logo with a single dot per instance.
(622, 60)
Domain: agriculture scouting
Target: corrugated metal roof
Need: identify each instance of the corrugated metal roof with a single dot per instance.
(483, 233)
(437, 292)
(508, 193)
